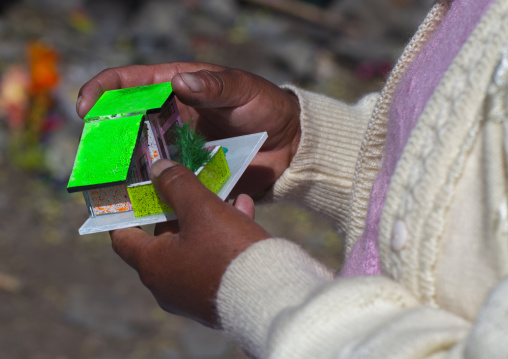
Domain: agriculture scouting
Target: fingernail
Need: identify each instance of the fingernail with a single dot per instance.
(193, 82)
(159, 166)
(78, 102)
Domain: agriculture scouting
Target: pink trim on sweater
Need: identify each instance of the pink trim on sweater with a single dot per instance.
(411, 95)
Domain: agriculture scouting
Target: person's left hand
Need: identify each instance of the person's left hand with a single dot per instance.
(183, 262)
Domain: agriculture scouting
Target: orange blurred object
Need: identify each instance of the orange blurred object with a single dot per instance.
(43, 61)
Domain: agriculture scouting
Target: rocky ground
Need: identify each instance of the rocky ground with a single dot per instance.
(67, 296)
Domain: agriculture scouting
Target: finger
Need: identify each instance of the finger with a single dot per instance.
(128, 243)
(111, 79)
(245, 204)
(216, 89)
(179, 188)
(131, 76)
(166, 228)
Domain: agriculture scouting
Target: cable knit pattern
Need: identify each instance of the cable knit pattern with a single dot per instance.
(277, 302)
(409, 99)
(369, 160)
(321, 173)
(426, 175)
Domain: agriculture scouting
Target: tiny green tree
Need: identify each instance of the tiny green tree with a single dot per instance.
(190, 147)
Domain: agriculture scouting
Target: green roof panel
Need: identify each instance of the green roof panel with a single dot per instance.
(104, 153)
(130, 101)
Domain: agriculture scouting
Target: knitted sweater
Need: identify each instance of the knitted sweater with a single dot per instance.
(411, 95)
(443, 228)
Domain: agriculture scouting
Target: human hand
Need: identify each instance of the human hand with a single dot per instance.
(183, 262)
(221, 102)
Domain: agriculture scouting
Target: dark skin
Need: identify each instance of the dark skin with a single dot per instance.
(231, 103)
(183, 262)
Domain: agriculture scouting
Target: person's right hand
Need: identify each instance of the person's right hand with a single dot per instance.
(221, 102)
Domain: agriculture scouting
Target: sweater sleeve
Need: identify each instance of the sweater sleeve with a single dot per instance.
(277, 302)
(321, 173)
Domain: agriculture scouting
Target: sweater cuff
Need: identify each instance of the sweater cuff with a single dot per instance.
(321, 173)
(268, 277)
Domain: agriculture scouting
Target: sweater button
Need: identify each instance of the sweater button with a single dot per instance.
(399, 235)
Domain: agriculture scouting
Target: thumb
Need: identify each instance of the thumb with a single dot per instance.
(245, 204)
(180, 189)
(214, 89)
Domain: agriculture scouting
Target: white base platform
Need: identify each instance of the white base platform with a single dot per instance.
(241, 151)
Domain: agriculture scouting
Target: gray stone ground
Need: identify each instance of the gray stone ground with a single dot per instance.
(65, 296)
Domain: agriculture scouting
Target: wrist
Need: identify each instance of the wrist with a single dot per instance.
(290, 141)
(295, 119)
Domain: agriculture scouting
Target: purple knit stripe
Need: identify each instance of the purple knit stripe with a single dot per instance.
(410, 97)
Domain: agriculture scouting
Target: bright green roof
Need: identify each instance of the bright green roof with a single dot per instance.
(130, 101)
(104, 153)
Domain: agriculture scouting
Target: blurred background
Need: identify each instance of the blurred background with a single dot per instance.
(67, 296)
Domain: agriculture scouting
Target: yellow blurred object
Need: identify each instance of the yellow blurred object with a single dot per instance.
(14, 97)
(10, 284)
(80, 21)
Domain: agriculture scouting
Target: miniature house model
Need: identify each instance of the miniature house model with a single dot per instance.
(124, 133)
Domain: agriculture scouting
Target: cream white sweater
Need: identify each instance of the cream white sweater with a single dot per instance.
(443, 233)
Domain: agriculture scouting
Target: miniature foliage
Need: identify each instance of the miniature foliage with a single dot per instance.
(190, 146)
